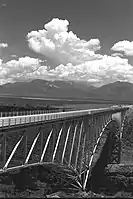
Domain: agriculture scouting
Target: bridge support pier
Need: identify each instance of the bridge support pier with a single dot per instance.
(115, 139)
(114, 154)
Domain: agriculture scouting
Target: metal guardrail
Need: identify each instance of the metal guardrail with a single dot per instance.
(28, 112)
(28, 119)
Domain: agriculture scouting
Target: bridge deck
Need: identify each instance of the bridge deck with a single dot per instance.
(31, 119)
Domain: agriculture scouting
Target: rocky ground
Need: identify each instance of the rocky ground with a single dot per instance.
(117, 181)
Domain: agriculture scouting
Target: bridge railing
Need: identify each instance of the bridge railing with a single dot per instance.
(27, 112)
(69, 138)
(37, 116)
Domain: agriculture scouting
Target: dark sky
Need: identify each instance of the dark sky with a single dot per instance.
(108, 20)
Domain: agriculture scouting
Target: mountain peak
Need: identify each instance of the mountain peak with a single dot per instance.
(119, 90)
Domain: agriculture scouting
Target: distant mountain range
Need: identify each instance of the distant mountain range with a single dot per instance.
(114, 91)
(43, 88)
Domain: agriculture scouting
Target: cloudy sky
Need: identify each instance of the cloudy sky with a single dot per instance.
(88, 40)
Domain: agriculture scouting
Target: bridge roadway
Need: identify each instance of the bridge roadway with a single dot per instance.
(72, 139)
(31, 119)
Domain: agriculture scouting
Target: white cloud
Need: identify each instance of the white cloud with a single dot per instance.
(97, 72)
(19, 70)
(14, 56)
(124, 46)
(106, 70)
(61, 45)
(3, 45)
(76, 58)
(117, 54)
(3, 4)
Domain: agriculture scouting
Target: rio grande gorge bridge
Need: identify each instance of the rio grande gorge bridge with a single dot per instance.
(73, 139)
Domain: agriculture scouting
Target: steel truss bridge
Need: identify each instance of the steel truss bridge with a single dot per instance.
(72, 139)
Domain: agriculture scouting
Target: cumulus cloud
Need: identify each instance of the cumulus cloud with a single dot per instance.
(20, 70)
(106, 70)
(14, 56)
(96, 72)
(117, 54)
(61, 45)
(76, 59)
(124, 46)
(3, 45)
